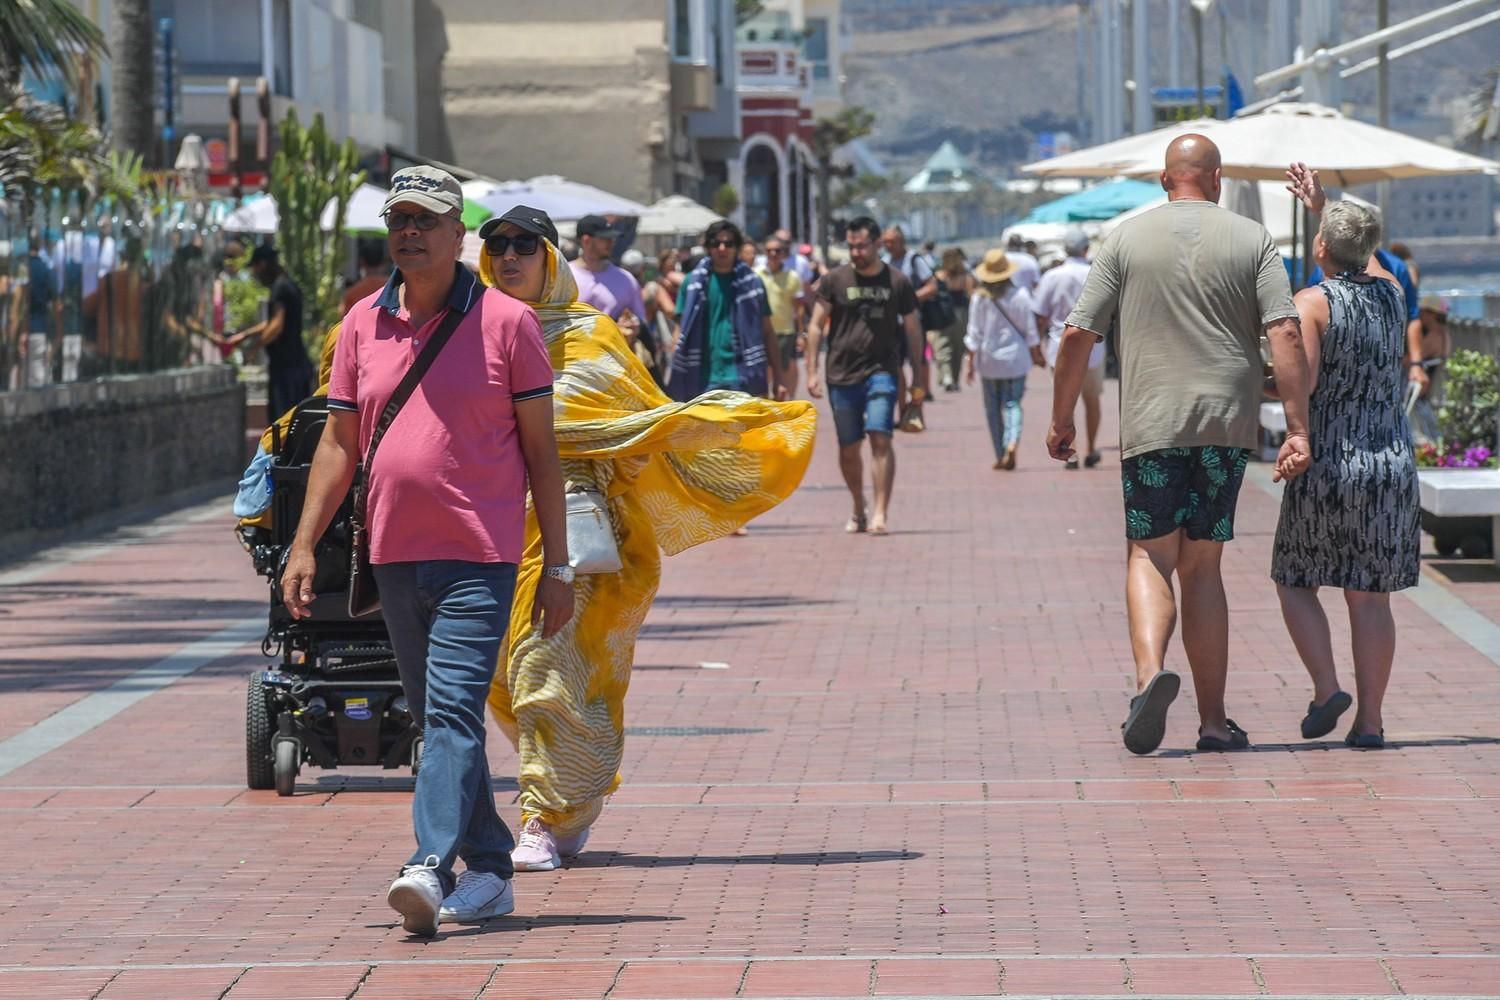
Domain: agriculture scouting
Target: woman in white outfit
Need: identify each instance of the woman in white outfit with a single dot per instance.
(1003, 345)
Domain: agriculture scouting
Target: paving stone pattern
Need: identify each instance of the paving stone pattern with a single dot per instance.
(857, 767)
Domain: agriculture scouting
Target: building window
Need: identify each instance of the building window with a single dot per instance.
(815, 46)
(682, 29)
(281, 30)
(716, 32)
(762, 195)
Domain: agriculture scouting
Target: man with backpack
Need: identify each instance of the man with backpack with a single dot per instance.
(934, 307)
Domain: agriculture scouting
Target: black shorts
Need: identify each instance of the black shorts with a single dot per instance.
(1195, 489)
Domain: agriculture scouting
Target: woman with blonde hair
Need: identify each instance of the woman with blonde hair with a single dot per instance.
(672, 475)
(1350, 522)
(1003, 345)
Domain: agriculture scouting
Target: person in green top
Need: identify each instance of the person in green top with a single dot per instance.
(727, 340)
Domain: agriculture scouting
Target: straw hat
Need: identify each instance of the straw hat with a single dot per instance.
(995, 267)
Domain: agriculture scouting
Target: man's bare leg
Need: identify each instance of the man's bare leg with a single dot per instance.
(1091, 414)
(1205, 630)
(852, 465)
(1151, 603)
(883, 472)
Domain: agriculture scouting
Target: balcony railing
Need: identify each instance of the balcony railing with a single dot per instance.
(773, 68)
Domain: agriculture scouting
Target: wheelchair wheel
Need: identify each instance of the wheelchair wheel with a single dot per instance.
(416, 758)
(288, 754)
(260, 726)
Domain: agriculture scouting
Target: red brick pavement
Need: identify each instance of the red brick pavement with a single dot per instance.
(907, 782)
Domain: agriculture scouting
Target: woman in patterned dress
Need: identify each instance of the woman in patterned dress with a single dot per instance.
(1351, 521)
(674, 475)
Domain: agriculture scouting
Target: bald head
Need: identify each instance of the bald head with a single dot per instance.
(1192, 168)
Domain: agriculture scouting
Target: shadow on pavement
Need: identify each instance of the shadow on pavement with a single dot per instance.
(1463, 570)
(1337, 745)
(512, 924)
(394, 780)
(762, 601)
(698, 630)
(812, 858)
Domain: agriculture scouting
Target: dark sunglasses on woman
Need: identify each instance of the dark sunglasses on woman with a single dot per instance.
(526, 244)
(425, 221)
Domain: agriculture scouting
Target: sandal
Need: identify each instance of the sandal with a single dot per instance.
(1146, 724)
(1320, 720)
(1365, 741)
(1238, 739)
(879, 531)
(856, 525)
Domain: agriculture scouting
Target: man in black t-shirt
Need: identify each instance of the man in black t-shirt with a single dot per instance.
(869, 309)
(289, 375)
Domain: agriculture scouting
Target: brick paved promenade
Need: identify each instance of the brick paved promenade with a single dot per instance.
(857, 767)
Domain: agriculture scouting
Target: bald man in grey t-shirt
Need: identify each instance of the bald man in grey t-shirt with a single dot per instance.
(1193, 286)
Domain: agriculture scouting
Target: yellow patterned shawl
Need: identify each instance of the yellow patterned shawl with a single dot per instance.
(676, 475)
(711, 464)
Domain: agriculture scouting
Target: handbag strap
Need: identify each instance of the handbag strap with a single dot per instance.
(404, 389)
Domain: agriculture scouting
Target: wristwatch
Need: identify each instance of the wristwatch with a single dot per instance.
(564, 573)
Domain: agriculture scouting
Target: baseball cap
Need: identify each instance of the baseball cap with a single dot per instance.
(597, 225)
(433, 189)
(1434, 303)
(1075, 242)
(526, 219)
(264, 254)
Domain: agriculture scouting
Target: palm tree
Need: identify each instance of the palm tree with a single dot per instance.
(828, 135)
(133, 114)
(47, 38)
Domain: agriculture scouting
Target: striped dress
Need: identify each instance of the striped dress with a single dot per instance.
(1351, 521)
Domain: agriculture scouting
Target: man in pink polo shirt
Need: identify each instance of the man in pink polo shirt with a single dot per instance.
(446, 513)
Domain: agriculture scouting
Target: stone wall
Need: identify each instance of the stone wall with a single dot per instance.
(71, 454)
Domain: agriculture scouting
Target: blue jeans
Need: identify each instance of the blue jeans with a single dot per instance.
(447, 621)
(867, 407)
(1002, 406)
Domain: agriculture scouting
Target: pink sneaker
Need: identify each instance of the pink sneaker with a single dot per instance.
(571, 847)
(536, 850)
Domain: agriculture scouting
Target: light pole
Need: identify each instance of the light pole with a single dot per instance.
(1200, 11)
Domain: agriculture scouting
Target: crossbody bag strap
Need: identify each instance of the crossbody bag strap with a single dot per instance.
(404, 389)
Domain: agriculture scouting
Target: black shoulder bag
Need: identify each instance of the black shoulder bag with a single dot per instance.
(937, 312)
(364, 596)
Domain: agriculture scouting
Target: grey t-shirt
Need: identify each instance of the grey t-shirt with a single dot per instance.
(1194, 285)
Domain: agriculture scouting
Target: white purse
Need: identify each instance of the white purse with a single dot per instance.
(591, 538)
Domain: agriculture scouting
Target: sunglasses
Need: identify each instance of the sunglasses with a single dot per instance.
(724, 244)
(425, 221)
(778, 251)
(526, 244)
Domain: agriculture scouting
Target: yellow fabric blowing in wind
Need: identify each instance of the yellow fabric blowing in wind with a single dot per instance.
(675, 475)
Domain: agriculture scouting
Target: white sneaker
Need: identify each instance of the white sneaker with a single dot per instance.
(537, 849)
(479, 896)
(571, 847)
(417, 894)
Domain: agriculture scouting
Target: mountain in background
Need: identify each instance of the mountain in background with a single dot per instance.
(989, 75)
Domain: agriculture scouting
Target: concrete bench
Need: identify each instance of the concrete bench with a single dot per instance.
(1461, 493)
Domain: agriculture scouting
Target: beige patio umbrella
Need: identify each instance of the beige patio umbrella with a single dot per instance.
(1345, 151)
(675, 215)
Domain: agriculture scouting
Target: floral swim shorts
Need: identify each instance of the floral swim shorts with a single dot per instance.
(1195, 489)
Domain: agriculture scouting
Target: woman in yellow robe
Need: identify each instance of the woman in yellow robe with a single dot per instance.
(675, 475)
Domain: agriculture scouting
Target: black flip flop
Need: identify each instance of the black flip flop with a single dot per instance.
(1320, 720)
(1365, 741)
(1238, 739)
(1146, 724)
